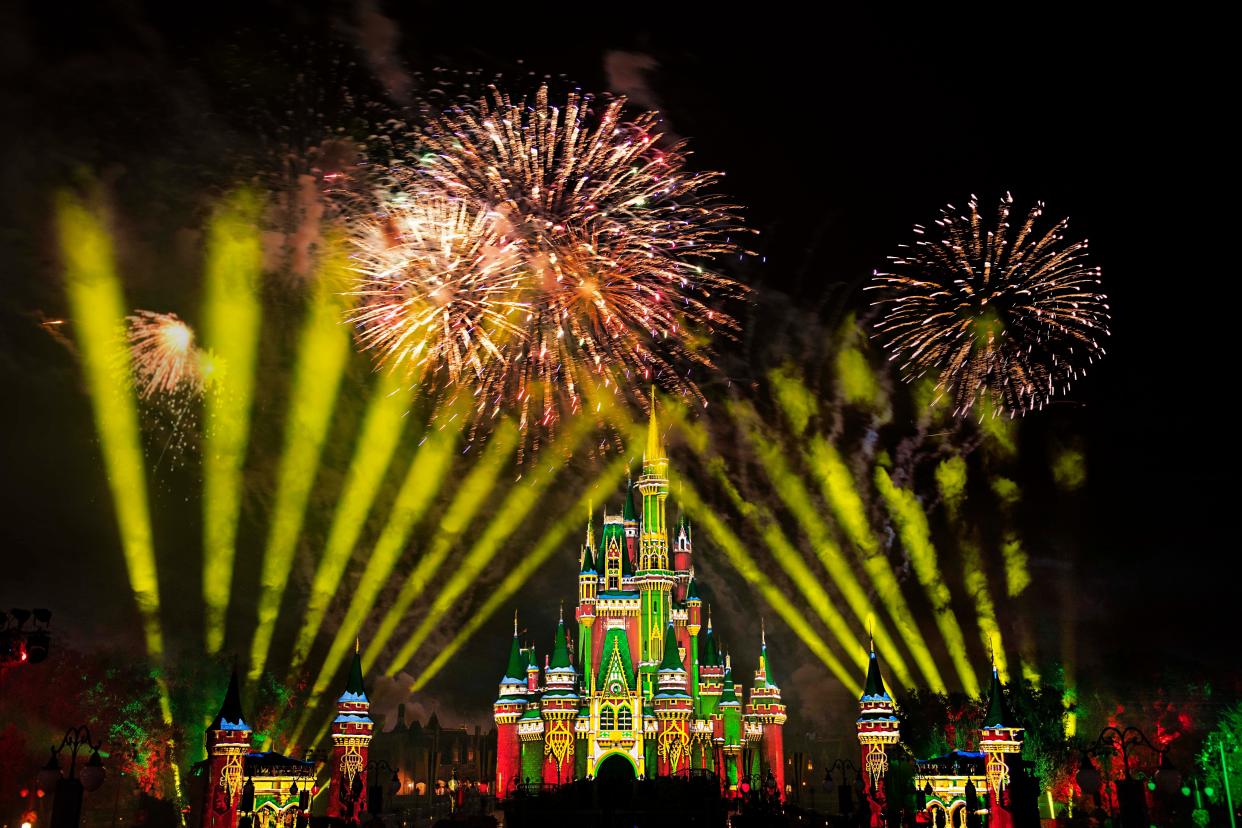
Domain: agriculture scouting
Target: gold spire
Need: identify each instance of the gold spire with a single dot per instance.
(590, 526)
(357, 645)
(654, 450)
(515, 632)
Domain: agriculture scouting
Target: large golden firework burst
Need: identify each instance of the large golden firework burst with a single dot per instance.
(612, 240)
(1007, 315)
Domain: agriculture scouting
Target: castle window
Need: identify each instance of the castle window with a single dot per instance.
(625, 719)
(608, 717)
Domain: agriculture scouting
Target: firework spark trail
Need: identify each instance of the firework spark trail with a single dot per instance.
(915, 534)
(422, 483)
(322, 356)
(951, 481)
(794, 494)
(94, 294)
(377, 440)
(505, 519)
(231, 330)
(1011, 318)
(614, 237)
(471, 495)
(528, 564)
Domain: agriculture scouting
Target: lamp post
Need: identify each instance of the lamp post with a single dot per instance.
(1131, 802)
(67, 801)
(845, 793)
(375, 793)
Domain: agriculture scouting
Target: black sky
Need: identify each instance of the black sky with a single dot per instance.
(838, 130)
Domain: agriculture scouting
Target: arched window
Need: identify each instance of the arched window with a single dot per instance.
(607, 717)
(625, 718)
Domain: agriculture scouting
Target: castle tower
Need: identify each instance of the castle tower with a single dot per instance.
(694, 623)
(877, 728)
(711, 673)
(653, 577)
(673, 709)
(559, 710)
(588, 592)
(612, 553)
(351, 738)
(509, 706)
(683, 559)
(1000, 739)
(730, 710)
(629, 523)
(228, 742)
(769, 711)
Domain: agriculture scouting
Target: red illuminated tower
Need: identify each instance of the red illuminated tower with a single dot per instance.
(767, 708)
(351, 736)
(228, 742)
(1000, 738)
(877, 729)
(509, 707)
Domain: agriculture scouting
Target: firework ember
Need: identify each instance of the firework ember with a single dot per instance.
(162, 353)
(992, 314)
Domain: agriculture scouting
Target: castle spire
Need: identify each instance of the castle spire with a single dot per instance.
(230, 716)
(654, 450)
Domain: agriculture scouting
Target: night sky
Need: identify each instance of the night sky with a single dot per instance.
(837, 133)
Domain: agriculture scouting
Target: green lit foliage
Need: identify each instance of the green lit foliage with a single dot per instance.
(1227, 735)
(1069, 469)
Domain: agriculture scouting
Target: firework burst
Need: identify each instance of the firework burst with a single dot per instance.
(439, 287)
(599, 275)
(1010, 318)
(163, 356)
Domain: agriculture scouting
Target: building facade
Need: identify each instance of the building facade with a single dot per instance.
(635, 683)
(271, 789)
(991, 787)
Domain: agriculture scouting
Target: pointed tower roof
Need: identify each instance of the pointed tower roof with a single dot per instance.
(727, 695)
(560, 650)
(615, 665)
(999, 714)
(654, 450)
(230, 716)
(765, 663)
(628, 512)
(692, 591)
(672, 653)
(588, 561)
(874, 686)
(515, 672)
(354, 691)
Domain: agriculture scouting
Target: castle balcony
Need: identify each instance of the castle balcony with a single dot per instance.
(753, 730)
(701, 727)
(624, 739)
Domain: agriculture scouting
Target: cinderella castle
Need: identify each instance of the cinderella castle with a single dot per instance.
(638, 686)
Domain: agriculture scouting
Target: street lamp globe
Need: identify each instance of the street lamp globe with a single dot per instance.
(93, 773)
(1168, 778)
(49, 774)
(1088, 777)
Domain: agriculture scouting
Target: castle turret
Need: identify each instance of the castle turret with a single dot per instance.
(730, 710)
(683, 559)
(351, 739)
(711, 672)
(673, 708)
(228, 742)
(559, 710)
(694, 618)
(509, 706)
(654, 577)
(1000, 739)
(588, 592)
(769, 711)
(629, 523)
(877, 729)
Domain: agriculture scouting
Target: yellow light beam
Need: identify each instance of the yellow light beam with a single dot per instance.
(783, 551)
(915, 534)
(747, 567)
(422, 482)
(98, 307)
(377, 440)
(508, 517)
(231, 332)
(794, 494)
(837, 487)
(527, 565)
(470, 497)
(323, 353)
